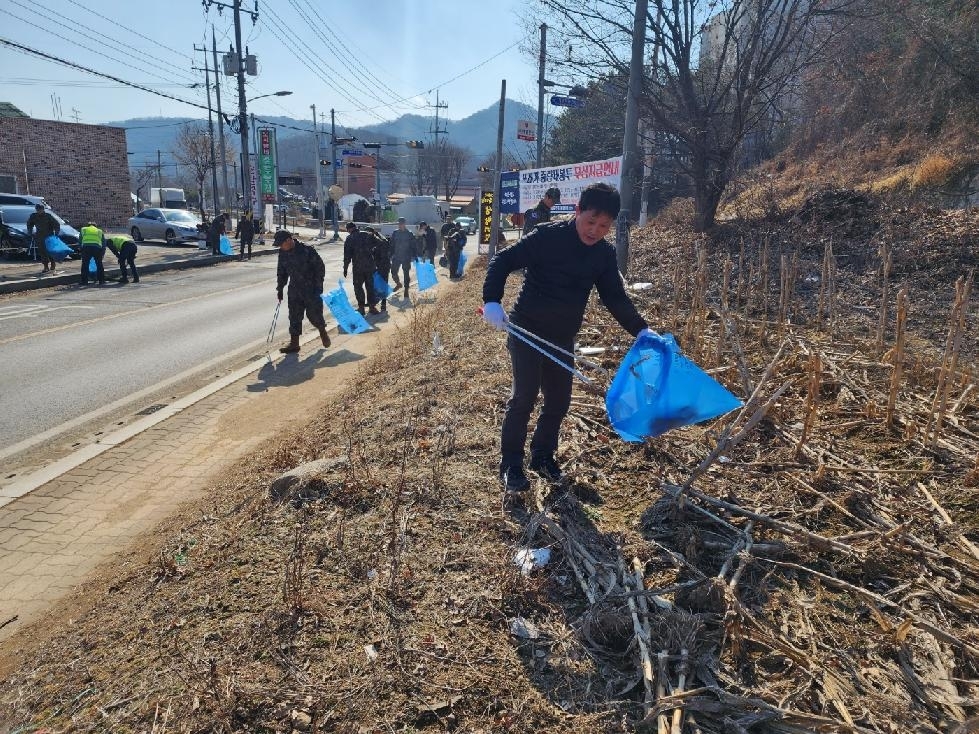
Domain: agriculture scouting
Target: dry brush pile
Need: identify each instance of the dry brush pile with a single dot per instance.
(808, 563)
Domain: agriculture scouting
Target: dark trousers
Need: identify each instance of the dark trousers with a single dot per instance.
(90, 253)
(246, 242)
(383, 271)
(42, 253)
(533, 373)
(405, 276)
(364, 288)
(429, 255)
(128, 256)
(453, 256)
(304, 303)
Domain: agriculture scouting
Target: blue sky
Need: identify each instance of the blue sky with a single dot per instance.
(371, 61)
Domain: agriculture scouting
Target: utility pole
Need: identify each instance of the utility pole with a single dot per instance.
(319, 175)
(649, 137)
(438, 149)
(495, 226)
(242, 66)
(629, 140)
(210, 135)
(159, 178)
(540, 92)
(333, 165)
(226, 194)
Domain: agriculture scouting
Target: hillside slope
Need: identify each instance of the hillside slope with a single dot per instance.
(808, 564)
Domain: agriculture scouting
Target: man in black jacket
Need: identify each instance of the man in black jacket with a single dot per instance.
(563, 262)
(541, 213)
(358, 249)
(302, 267)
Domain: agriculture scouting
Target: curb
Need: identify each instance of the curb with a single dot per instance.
(16, 286)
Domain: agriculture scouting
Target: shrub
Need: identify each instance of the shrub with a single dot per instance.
(933, 172)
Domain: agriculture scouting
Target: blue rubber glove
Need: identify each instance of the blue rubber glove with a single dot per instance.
(494, 315)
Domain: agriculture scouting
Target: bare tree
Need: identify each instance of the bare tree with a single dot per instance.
(718, 68)
(453, 160)
(192, 148)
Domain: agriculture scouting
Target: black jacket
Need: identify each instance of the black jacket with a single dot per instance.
(533, 217)
(561, 271)
(302, 267)
(358, 249)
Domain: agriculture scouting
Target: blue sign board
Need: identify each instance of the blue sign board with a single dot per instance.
(353, 151)
(510, 192)
(559, 101)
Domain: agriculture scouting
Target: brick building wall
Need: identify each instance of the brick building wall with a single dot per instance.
(81, 170)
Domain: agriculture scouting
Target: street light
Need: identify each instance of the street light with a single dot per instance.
(272, 94)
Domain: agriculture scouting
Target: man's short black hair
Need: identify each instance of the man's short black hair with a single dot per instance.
(350, 226)
(600, 198)
(39, 207)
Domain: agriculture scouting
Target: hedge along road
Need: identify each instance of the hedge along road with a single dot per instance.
(80, 352)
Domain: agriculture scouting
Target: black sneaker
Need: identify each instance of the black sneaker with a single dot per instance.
(546, 467)
(513, 478)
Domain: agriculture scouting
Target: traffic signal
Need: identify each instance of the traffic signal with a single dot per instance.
(324, 162)
(356, 165)
(415, 144)
(483, 169)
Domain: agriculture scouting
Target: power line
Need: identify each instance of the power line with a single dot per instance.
(73, 65)
(135, 32)
(340, 89)
(82, 45)
(357, 69)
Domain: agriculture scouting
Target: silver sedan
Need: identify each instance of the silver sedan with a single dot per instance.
(171, 225)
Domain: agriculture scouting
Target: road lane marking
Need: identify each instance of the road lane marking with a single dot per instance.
(39, 310)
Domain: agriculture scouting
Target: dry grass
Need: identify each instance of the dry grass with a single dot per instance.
(935, 171)
(816, 587)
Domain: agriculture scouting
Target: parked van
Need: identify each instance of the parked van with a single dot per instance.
(21, 200)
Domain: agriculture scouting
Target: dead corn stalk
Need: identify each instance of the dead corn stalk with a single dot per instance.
(950, 359)
(725, 306)
(763, 289)
(826, 307)
(897, 354)
(812, 399)
(885, 273)
(787, 276)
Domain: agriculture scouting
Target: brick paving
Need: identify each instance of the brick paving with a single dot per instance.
(59, 533)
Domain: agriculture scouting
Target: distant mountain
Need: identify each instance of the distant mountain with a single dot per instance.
(477, 132)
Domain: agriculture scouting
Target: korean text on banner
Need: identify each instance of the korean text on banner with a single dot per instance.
(570, 179)
(485, 221)
(266, 164)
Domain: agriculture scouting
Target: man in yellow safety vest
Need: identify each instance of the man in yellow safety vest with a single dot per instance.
(92, 240)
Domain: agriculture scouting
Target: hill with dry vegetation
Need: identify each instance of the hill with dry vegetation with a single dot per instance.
(808, 563)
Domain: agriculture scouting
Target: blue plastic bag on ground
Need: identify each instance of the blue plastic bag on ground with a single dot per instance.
(56, 247)
(382, 289)
(462, 263)
(346, 316)
(656, 388)
(224, 246)
(425, 275)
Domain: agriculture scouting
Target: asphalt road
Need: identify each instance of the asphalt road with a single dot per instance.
(74, 351)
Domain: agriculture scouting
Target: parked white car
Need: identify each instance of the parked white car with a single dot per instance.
(171, 225)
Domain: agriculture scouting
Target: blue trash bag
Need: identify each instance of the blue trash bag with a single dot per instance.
(346, 316)
(93, 266)
(425, 275)
(382, 289)
(656, 388)
(224, 246)
(462, 263)
(56, 247)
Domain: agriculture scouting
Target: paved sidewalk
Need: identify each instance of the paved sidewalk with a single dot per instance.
(22, 274)
(53, 538)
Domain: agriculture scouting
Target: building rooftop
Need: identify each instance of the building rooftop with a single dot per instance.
(8, 110)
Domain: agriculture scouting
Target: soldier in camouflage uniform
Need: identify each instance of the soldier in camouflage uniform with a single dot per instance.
(359, 250)
(302, 268)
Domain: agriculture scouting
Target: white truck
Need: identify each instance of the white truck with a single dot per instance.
(414, 209)
(168, 198)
